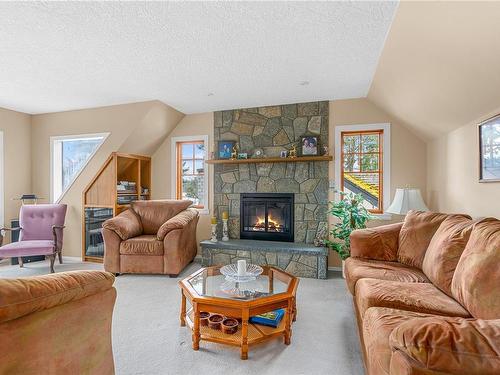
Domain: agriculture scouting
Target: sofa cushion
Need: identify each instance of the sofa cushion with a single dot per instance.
(416, 234)
(378, 324)
(20, 297)
(154, 213)
(146, 244)
(445, 249)
(126, 225)
(379, 243)
(476, 282)
(417, 297)
(450, 345)
(357, 268)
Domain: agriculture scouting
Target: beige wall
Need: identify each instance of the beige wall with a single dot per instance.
(453, 174)
(195, 124)
(122, 122)
(408, 152)
(16, 129)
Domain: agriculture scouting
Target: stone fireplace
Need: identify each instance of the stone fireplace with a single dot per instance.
(276, 209)
(274, 129)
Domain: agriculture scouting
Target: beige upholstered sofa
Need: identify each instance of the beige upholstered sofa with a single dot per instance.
(157, 237)
(57, 324)
(427, 295)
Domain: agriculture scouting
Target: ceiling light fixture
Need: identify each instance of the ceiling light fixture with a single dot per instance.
(304, 83)
(210, 94)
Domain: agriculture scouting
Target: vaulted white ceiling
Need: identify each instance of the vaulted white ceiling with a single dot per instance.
(195, 57)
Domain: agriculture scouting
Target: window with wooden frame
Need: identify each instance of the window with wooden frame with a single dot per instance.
(362, 165)
(190, 172)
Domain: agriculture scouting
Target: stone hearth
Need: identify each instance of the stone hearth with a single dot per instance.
(298, 259)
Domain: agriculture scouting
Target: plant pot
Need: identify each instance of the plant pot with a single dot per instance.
(343, 268)
(215, 321)
(229, 326)
(204, 318)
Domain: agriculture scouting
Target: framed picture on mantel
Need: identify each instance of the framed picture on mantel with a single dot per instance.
(489, 150)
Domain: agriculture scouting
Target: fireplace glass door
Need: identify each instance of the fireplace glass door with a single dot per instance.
(267, 216)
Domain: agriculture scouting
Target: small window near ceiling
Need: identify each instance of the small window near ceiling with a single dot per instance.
(69, 156)
(362, 166)
(191, 175)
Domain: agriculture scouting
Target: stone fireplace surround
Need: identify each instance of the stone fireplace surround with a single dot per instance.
(273, 129)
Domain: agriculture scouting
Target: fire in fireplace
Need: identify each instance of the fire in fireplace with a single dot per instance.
(266, 216)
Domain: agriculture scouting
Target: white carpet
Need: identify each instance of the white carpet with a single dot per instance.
(147, 338)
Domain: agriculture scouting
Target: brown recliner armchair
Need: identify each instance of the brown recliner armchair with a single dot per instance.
(151, 237)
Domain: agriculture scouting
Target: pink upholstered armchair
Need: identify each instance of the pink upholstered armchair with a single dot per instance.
(41, 233)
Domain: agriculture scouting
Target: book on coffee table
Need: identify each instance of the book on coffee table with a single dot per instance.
(271, 318)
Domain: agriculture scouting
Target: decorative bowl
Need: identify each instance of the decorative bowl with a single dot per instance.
(215, 321)
(231, 273)
(229, 326)
(204, 318)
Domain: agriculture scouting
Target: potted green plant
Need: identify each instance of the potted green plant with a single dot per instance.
(351, 215)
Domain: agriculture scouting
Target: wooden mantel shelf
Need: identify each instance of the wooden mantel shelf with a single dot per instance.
(298, 159)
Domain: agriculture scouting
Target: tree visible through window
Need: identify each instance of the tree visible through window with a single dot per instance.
(69, 157)
(191, 172)
(362, 166)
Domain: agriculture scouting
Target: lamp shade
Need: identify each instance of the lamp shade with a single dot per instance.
(405, 200)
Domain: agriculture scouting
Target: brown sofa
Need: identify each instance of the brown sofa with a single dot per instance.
(151, 237)
(57, 324)
(427, 295)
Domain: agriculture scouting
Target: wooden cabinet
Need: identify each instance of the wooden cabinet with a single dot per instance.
(122, 179)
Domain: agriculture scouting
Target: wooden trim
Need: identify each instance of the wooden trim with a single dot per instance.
(299, 159)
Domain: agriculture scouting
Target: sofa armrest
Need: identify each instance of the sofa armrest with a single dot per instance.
(450, 345)
(379, 243)
(126, 225)
(20, 297)
(179, 221)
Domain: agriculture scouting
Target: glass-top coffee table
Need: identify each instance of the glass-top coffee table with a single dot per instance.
(209, 292)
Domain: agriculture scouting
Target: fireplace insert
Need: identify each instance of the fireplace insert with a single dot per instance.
(267, 216)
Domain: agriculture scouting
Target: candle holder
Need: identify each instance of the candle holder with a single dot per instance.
(225, 234)
(214, 233)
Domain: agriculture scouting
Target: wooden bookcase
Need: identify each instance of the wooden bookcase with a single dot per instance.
(101, 199)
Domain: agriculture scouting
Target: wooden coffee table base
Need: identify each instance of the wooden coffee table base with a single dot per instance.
(248, 333)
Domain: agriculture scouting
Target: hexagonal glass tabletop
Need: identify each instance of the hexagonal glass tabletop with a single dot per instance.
(210, 283)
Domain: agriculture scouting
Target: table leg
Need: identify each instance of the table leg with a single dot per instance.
(244, 335)
(288, 323)
(183, 309)
(294, 309)
(196, 328)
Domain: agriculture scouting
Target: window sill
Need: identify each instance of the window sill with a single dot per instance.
(385, 216)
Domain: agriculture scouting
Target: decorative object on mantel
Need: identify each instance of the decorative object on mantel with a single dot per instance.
(292, 154)
(309, 145)
(489, 147)
(214, 229)
(284, 154)
(234, 154)
(224, 149)
(242, 155)
(257, 153)
(321, 236)
(325, 150)
(353, 215)
(225, 233)
(405, 200)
